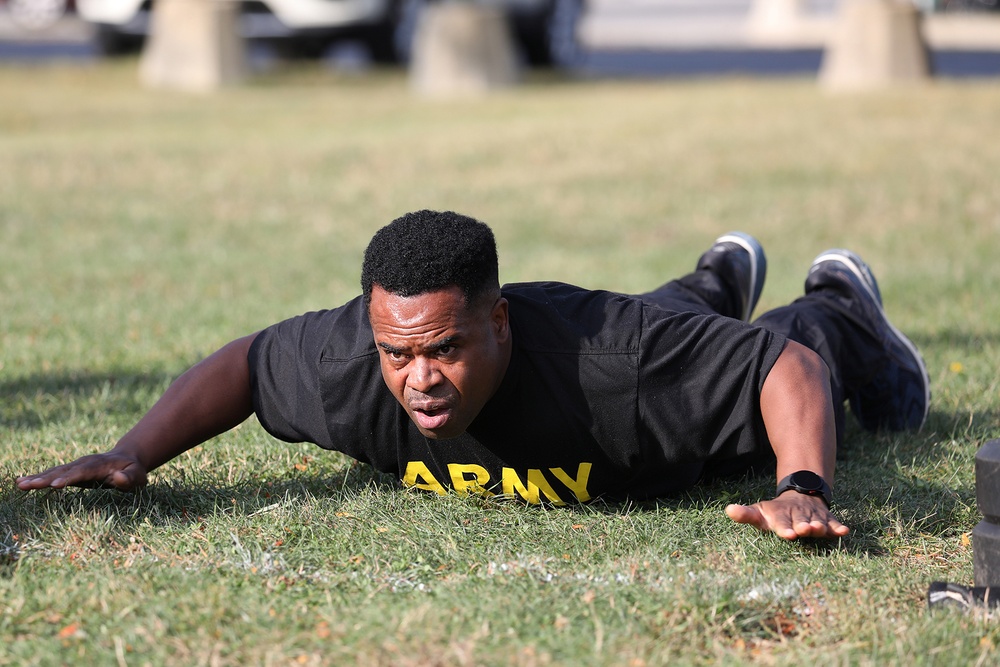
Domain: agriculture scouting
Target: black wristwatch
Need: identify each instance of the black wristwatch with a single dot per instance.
(808, 483)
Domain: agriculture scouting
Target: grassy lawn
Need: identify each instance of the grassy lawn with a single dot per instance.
(140, 231)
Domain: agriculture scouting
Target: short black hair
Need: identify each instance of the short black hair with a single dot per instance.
(426, 251)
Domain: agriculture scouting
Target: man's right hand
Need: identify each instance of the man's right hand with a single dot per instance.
(112, 470)
(211, 397)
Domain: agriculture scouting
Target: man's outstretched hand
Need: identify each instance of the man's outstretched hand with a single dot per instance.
(791, 515)
(109, 470)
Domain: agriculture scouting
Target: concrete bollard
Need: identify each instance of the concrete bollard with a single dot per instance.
(193, 46)
(986, 535)
(875, 43)
(461, 49)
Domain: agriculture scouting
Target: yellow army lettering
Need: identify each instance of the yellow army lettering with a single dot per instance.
(471, 478)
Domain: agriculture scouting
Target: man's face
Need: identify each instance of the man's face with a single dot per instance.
(441, 359)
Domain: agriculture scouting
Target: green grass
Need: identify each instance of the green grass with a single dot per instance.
(140, 231)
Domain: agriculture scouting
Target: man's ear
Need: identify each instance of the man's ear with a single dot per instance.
(500, 320)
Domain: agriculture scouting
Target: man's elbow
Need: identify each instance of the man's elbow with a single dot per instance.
(804, 363)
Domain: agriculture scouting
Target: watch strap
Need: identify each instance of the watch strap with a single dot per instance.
(807, 483)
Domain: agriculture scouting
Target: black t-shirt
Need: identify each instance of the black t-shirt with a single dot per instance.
(604, 395)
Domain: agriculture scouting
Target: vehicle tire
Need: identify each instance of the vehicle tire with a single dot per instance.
(549, 37)
(381, 45)
(110, 42)
(301, 49)
(390, 41)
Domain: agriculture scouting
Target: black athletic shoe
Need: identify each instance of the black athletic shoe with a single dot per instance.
(899, 396)
(745, 267)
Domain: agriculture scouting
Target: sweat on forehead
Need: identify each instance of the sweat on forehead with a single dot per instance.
(426, 251)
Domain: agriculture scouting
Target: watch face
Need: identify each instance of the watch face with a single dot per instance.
(806, 480)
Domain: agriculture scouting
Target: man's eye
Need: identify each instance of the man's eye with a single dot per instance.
(446, 350)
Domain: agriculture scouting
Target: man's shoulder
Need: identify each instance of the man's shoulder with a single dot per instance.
(558, 294)
(554, 315)
(332, 334)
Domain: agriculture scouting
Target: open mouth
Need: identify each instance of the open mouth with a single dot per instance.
(431, 419)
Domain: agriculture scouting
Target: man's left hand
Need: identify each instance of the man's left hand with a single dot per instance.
(791, 515)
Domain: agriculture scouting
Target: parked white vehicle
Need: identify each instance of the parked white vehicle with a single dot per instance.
(546, 30)
(36, 14)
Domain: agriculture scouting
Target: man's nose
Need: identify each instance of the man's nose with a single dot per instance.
(424, 375)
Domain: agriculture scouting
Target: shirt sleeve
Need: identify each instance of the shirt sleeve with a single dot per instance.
(316, 378)
(294, 365)
(700, 385)
(284, 379)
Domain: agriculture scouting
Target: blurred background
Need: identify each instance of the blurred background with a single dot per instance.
(587, 38)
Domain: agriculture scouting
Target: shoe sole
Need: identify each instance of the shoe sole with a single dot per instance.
(757, 259)
(864, 274)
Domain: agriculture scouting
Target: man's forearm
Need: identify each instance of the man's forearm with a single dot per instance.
(797, 409)
(210, 398)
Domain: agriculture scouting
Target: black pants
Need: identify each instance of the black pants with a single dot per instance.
(821, 320)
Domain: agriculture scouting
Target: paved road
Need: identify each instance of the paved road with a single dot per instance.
(652, 38)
